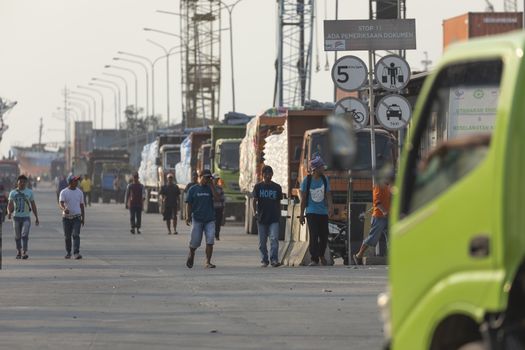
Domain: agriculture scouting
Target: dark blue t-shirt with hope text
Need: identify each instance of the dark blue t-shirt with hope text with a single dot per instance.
(268, 202)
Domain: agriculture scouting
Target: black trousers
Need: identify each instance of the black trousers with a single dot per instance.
(218, 221)
(318, 231)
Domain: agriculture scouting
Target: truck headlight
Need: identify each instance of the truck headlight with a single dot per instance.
(383, 302)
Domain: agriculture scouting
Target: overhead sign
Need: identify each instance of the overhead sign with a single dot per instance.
(377, 34)
(393, 112)
(392, 72)
(353, 109)
(349, 73)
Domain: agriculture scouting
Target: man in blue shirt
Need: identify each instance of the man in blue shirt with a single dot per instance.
(21, 203)
(201, 216)
(316, 200)
(267, 201)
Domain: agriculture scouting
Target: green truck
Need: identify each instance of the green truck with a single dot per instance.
(457, 240)
(224, 161)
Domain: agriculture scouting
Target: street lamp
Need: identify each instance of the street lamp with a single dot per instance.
(78, 104)
(88, 104)
(151, 63)
(147, 77)
(94, 105)
(229, 8)
(101, 102)
(115, 104)
(136, 82)
(121, 78)
(112, 83)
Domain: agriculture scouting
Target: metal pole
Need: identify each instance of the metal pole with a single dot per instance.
(147, 78)
(94, 105)
(371, 66)
(101, 103)
(114, 91)
(112, 83)
(87, 104)
(335, 52)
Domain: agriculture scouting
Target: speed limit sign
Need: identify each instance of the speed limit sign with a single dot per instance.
(349, 73)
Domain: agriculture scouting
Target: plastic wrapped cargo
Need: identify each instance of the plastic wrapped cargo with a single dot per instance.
(148, 167)
(183, 168)
(248, 158)
(276, 156)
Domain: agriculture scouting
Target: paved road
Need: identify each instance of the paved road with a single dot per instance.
(134, 292)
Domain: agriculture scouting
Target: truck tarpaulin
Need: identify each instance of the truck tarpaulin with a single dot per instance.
(148, 167)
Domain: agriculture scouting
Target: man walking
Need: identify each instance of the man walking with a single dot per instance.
(381, 197)
(170, 203)
(134, 199)
(317, 200)
(85, 186)
(201, 216)
(21, 202)
(267, 197)
(71, 201)
(194, 180)
(218, 206)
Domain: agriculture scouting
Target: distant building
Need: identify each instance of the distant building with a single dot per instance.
(476, 24)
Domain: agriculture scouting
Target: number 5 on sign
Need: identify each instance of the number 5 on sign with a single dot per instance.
(349, 73)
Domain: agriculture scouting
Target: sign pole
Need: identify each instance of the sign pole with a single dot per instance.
(372, 114)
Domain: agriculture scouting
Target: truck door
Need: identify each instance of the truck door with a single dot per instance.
(444, 230)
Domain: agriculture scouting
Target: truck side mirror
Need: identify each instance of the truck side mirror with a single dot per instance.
(342, 143)
(297, 153)
(157, 161)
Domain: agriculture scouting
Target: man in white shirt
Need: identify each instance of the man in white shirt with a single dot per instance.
(71, 202)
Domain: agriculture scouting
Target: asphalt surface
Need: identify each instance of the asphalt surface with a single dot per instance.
(135, 292)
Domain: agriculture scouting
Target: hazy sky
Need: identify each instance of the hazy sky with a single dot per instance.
(49, 44)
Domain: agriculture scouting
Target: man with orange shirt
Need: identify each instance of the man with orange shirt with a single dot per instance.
(379, 225)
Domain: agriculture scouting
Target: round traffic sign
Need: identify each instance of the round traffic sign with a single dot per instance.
(353, 109)
(393, 112)
(349, 73)
(392, 72)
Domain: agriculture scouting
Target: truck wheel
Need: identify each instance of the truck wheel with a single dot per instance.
(478, 345)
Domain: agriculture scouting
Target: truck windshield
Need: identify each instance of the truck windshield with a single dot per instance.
(229, 156)
(171, 159)
(384, 151)
(318, 145)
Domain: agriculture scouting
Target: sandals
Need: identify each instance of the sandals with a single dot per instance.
(210, 266)
(189, 261)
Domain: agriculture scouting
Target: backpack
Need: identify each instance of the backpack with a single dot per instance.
(309, 183)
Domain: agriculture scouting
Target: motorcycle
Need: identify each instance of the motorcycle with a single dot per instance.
(338, 240)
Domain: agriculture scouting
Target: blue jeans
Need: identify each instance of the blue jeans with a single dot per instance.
(72, 230)
(21, 226)
(200, 228)
(271, 231)
(378, 226)
(135, 217)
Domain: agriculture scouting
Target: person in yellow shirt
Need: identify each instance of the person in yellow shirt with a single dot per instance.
(85, 186)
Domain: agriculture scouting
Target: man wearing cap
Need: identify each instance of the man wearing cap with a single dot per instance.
(71, 201)
(267, 197)
(218, 205)
(316, 201)
(170, 203)
(21, 202)
(201, 216)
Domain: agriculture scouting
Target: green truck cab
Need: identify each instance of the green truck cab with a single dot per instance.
(457, 224)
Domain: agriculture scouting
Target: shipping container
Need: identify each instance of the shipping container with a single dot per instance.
(476, 24)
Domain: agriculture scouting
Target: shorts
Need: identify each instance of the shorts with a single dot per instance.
(170, 212)
(200, 228)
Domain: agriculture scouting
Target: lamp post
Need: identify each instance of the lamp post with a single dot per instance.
(151, 63)
(88, 104)
(112, 83)
(94, 105)
(114, 91)
(229, 8)
(81, 107)
(147, 77)
(136, 82)
(101, 102)
(121, 78)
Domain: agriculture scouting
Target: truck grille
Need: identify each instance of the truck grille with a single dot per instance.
(234, 186)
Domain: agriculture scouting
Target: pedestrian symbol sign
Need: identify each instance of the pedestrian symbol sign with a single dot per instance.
(392, 72)
(393, 112)
(353, 109)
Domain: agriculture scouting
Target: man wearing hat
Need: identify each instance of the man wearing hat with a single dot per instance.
(170, 203)
(134, 201)
(71, 201)
(201, 216)
(316, 201)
